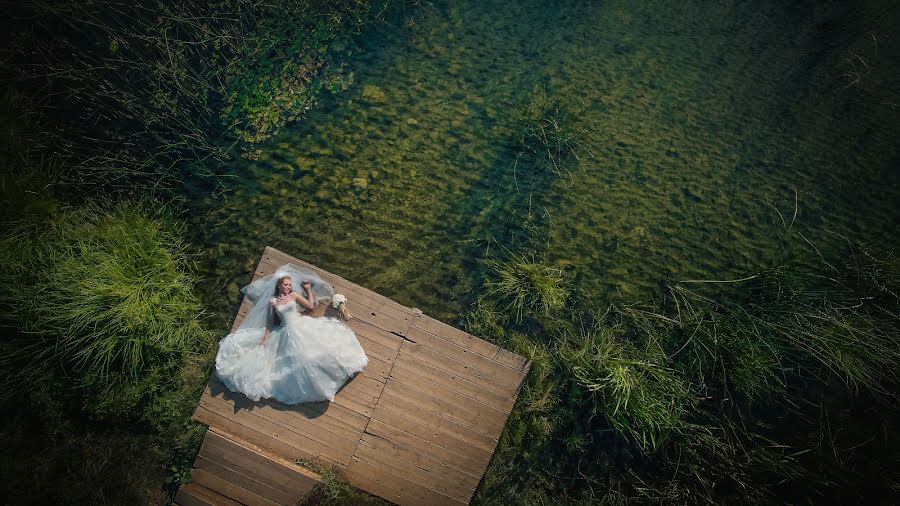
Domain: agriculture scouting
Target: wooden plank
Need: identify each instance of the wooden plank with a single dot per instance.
(510, 359)
(252, 476)
(269, 442)
(375, 350)
(456, 382)
(194, 494)
(373, 486)
(431, 400)
(284, 414)
(298, 444)
(326, 434)
(419, 445)
(408, 470)
(360, 406)
(409, 373)
(442, 362)
(242, 477)
(422, 460)
(287, 478)
(387, 476)
(444, 447)
(364, 385)
(436, 422)
(375, 334)
(361, 398)
(378, 369)
(323, 414)
(486, 367)
(229, 489)
(402, 373)
(455, 335)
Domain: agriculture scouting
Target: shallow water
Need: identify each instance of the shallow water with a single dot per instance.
(695, 122)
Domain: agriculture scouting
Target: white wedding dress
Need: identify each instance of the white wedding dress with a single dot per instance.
(305, 359)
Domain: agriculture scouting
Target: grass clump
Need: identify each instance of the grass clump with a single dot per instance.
(723, 392)
(526, 286)
(102, 301)
(547, 133)
(332, 490)
(637, 392)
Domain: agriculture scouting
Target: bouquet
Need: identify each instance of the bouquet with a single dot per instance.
(339, 302)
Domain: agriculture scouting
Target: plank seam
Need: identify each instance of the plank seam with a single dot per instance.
(383, 386)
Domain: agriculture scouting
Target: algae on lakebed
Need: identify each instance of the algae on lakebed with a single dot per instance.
(700, 120)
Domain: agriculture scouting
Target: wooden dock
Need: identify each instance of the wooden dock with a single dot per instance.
(418, 426)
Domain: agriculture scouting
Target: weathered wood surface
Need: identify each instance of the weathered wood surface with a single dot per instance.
(418, 425)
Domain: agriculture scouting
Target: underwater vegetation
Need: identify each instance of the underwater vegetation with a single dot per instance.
(551, 178)
(107, 108)
(547, 136)
(161, 92)
(708, 396)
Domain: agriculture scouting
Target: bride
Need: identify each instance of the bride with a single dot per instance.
(281, 354)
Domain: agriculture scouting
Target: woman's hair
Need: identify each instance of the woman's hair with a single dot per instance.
(278, 283)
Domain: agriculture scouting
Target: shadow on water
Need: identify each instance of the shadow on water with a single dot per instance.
(701, 119)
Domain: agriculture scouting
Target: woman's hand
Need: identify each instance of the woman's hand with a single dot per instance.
(310, 300)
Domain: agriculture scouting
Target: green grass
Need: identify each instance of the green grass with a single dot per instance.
(102, 297)
(332, 490)
(524, 286)
(547, 133)
(686, 400)
(635, 390)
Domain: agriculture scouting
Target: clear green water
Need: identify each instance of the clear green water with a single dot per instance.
(700, 117)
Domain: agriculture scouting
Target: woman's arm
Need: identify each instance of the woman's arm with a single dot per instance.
(310, 301)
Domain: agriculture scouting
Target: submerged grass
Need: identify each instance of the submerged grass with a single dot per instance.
(688, 400)
(636, 391)
(525, 285)
(547, 133)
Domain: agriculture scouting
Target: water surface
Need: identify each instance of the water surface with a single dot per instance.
(696, 119)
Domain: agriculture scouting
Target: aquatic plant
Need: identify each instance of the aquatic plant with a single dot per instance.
(527, 286)
(637, 392)
(138, 97)
(791, 316)
(667, 398)
(547, 133)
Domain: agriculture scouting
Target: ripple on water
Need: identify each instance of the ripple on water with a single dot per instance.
(698, 118)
